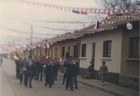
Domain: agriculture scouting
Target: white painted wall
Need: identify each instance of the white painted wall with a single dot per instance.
(114, 62)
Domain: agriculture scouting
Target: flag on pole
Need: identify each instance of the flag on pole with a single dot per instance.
(111, 14)
(97, 25)
(74, 11)
(119, 14)
(84, 13)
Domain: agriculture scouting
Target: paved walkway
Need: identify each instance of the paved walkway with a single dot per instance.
(5, 86)
(11, 87)
(109, 87)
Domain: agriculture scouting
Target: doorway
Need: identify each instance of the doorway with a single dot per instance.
(93, 54)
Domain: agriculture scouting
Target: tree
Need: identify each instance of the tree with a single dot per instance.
(115, 4)
(118, 4)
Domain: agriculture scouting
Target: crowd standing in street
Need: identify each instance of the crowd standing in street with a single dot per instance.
(17, 67)
(71, 67)
(1, 60)
(37, 68)
(29, 72)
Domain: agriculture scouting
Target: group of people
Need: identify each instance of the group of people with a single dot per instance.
(1, 60)
(34, 68)
(103, 71)
(71, 70)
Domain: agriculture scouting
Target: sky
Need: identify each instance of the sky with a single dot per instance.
(19, 19)
(20, 16)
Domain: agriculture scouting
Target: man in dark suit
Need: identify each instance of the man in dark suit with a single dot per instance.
(69, 75)
(29, 72)
(49, 73)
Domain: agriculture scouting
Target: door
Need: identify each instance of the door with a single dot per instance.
(93, 54)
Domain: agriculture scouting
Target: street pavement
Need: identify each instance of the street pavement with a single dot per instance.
(109, 87)
(10, 86)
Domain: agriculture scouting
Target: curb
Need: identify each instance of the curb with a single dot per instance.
(102, 89)
(13, 89)
(96, 87)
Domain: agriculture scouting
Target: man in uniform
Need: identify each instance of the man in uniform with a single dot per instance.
(49, 73)
(75, 68)
(69, 75)
(42, 62)
(56, 65)
(1, 60)
(21, 69)
(64, 67)
(17, 67)
(29, 73)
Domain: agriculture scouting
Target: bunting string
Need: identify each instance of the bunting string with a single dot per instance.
(48, 21)
(19, 47)
(84, 11)
(124, 18)
(118, 19)
(63, 22)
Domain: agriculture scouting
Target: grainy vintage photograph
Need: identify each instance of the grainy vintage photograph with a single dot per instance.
(69, 47)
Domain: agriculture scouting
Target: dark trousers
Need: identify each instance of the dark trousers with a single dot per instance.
(21, 78)
(40, 75)
(55, 74)
(48, 80)
(103, 76)
(69, 81)
(17, 73)
(52, 78)
(24, 75)
(75, 80)
(35, 74)
(64, 78)
(28, 78)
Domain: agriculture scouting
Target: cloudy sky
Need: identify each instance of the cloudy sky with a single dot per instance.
(19, 16)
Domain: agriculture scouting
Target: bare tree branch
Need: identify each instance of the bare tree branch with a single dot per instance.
(120, 4)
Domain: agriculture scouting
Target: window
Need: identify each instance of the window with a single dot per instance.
(134, 47)
(83, 50)
(107, 48)
(75, 51)
(52, 53)
(46, 51)
(69, 49)
(56, 52)
(63, 51)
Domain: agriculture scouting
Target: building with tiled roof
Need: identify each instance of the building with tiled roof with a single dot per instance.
(115, 41)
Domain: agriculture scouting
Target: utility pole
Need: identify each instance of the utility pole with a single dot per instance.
(31, 35)
(31, 41)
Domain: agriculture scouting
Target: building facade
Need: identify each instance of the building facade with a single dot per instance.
(119, 48)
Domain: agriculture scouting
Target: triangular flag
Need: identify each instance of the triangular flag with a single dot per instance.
(111, 14)
(74, 11)
(84, 13)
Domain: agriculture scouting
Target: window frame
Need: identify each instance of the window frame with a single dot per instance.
(75, 51)
(83, 51)
(56, 52)
(134, 48)
(63, 52)
(107, 46)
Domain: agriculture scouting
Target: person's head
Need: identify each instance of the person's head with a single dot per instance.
(30, 57)
(55, 59)
(51, 61)
(25, 57)
(103, 63)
